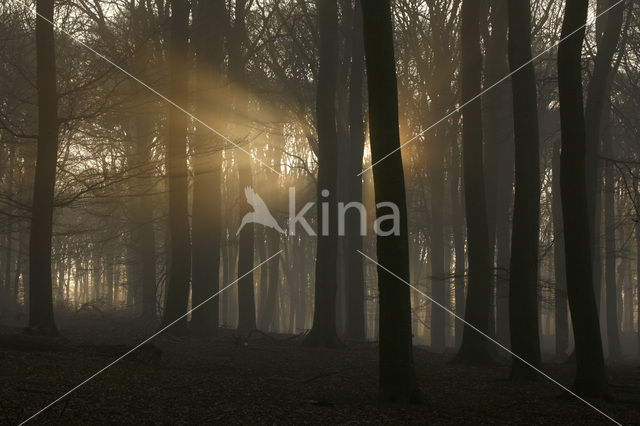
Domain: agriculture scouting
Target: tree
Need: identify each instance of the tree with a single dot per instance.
(323, 331)
(355, 279)
(397, 373)
(497, 131)
(523, 278)
(597, 97)
(611, 296)
(474, 346)
(237, 63)
(559, 269)
(177, 296)
(209, 24)
(138, 158)
(41, 319)
(590, 372)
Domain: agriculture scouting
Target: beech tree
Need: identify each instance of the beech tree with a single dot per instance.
(41, 319)
(590, 372)
(397, 372)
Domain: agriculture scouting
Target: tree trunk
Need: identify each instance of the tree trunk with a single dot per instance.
(355, 278)
(474, 347)
(177, 295)
(598, 94)
(457, 225)
(41, 319)
(209, 23)
(590, 372)
(323, 331)
(498, 161)
(397, 373)
(613, 334)
(523, 277)
(237, 62)
(560, 289)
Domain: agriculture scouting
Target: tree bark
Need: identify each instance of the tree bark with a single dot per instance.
(523, 277)
(355, 279)
(177, 295)
(209, 24)
(474, 347)
(41, 319)
(560, 289)
(323, 331)
(597, 97)
(590, 372)
(611, 293)
(397, 373)
(237, 63)
(498, 161)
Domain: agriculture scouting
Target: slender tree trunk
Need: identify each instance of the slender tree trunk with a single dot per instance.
(560, 289)
(457, 225)
(273, 274)
(474, 346)
(598, 94)
(41, 319)
(177, 295)
(323, 331)
(237, 62)
(523, 277)
(590, 372)
(208, 36)
(397, 373)
(613, 334)
(355, 280)
(637, 277)
(498, 162)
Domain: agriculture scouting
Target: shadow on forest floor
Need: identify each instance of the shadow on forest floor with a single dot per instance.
(271, 379)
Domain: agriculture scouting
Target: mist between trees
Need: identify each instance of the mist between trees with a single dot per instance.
(519, 212)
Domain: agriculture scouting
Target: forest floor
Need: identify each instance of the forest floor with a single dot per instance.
(270, 379)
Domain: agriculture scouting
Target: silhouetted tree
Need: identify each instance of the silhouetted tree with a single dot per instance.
(237, 62)
(474, 346)
(355, 278)
(598, 90)
(208, 37)
(177, 295)
(41, 319)
(590, 372)
(523, 278)
(323, 331)
(397, 373)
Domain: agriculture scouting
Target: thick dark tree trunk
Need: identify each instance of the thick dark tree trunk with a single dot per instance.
(397, 373)
(41, 319)
(142, 227)
(323, 331)
(209, 24)
(598, 94)
(474, 347)
(559, 270)
(590, 371)
(237, 63)
(355, 278)
(523, 277)
(177, 296)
